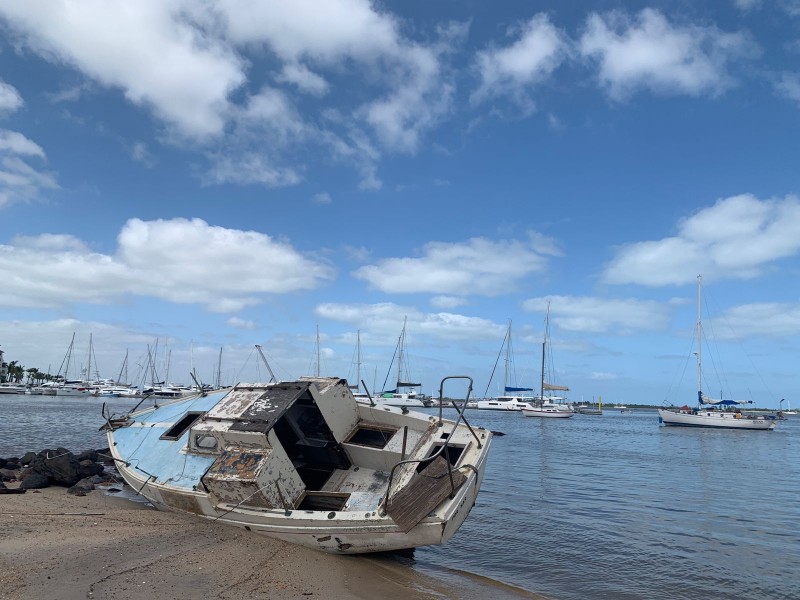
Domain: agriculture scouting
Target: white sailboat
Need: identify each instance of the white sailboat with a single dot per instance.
(510, 400)
(702, 415)
(550, 406)
(412, 398)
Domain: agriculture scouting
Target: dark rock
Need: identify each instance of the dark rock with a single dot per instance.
(62, 469)
(35, 481)
(12, 465)
(28, 458)
(8, 475)
(87, 455)
(89, 468)
(82, 487)
(3, 462)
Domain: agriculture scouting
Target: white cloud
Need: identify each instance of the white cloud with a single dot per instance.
(13, 142)
(150, 50)
(514, 70)
(772, 319)
(305, 79)
(20, 182)
(736, 238)
(788, 86)
(648, 52)
(599, 315)
(747, 5)
(238, 323)
(478, 266)
(249, 168)
(323, 198)
(10, 100)
(447, 301)
(384, 321)
(180, 261)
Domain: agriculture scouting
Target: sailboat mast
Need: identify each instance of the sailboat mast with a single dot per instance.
(544, 345)
(358, 359)
(699, 344)
(400, 344)
(317, 371)
(508, 356)
(219, 369)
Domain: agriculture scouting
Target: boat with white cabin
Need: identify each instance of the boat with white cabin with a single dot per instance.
(710, 412)
(549, 406)
(512, 399)
(302, 461)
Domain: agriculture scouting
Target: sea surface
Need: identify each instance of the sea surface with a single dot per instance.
(612, 506)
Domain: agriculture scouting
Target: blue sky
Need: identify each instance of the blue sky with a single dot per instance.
(222, 174)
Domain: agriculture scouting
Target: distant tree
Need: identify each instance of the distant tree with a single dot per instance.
(15, 372)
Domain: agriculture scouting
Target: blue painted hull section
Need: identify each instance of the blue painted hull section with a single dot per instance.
(163, 459)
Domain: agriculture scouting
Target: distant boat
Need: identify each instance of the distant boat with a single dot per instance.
(711, 417)
(413, 398)
(587, 409)
(549, 407)
(511, 399)
(13, 388)
(788, 410)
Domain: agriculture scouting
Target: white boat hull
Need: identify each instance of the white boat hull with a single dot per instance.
(503, 403)
(258, 485)
(712, 418)
(548, 413)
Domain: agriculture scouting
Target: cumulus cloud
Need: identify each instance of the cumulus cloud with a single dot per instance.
(180, 261)
(477, 266)
(788, 86)
(648, 52)
(189, 65)
(599, 315)
(771, 319)
(19, 180)
(10, 100)
(516, 69)
(738, 238)
(152, 52)
(384, 322)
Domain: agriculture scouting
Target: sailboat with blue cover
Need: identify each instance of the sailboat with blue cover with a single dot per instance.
(709, 412)
(512, 398)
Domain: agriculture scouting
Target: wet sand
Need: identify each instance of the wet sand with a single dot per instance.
(56, 546)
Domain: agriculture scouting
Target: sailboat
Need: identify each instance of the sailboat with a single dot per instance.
(788, 410)
(711, 417)
(549, 406)
(510, 400)
(396, 397)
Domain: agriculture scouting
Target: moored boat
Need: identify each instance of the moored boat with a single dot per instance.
(707, 413)
(304, 462)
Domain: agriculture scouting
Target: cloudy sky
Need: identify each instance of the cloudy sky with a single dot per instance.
(189, 179)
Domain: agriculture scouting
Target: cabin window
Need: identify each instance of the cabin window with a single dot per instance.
(182, 426)
(452, 454)
(205, 441)
(374, 437)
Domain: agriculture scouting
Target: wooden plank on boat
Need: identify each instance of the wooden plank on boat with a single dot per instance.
(422, 494)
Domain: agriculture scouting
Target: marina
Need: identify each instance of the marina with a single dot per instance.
(599, 507)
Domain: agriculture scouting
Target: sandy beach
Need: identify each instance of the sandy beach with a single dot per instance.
(56, 546)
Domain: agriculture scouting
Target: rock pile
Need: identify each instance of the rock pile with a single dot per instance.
(78, 473)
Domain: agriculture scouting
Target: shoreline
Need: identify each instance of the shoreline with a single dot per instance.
(57, 546)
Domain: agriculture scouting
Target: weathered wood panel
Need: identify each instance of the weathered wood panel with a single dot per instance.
(423, 493)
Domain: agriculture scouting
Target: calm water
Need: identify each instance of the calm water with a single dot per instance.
(609, 506)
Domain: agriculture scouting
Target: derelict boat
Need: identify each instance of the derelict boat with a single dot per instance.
(304, 462)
